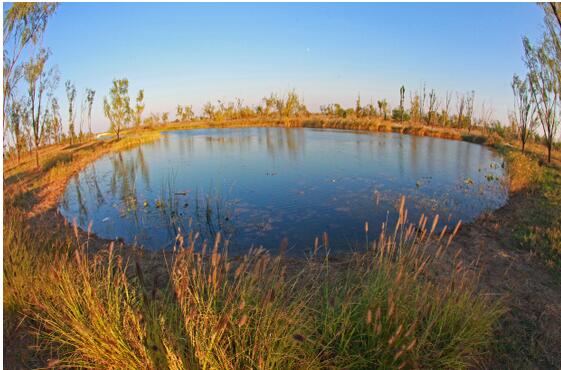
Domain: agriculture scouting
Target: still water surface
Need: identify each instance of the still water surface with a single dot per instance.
(259, 185)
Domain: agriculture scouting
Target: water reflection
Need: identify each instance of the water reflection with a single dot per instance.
(258, 185)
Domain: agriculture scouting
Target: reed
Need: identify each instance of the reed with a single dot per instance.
(384, 306)
(387, 309)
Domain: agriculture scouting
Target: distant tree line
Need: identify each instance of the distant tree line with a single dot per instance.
(32, 117)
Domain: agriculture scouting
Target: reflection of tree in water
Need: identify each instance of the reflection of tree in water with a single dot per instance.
(93, 185)
(144, 172)
(227, 143)
(123, 178)
(289, 140)
(82, 210)
(185, 145)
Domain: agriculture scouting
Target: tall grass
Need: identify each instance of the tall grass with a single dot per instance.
(397, 304)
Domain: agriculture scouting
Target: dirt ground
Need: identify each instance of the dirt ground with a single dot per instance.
(530, 332)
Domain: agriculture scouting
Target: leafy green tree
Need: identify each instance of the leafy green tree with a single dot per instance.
(90, 95)
(57, 120)
(209, 111)
(279, 105)
(24, 24)
(179, 113)
(460, 107)
(117, 108)
(544, 79)
(71, 95)
(415, 108)
(139, 108)
(293, 105)
(358, 108)
(165, 118)
(383, 108)
(18, 120)
(400, 115)
(40, 82)
(270, 103)
(188, 113)
(401, 101)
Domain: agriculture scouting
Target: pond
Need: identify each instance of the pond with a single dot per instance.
(259, 185)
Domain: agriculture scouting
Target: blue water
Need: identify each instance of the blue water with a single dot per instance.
(259, 185)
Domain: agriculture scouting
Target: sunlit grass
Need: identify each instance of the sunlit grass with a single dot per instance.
(384, 307)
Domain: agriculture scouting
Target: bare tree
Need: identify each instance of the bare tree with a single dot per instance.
(485, 115)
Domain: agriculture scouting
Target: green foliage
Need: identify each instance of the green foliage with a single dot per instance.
(139, 108)
(24, 24)
(383, 108)
(184, 113)
(40, 82)
(117, 109)
(400, 115)
(415, 109)
(90, 95)
(71, 95)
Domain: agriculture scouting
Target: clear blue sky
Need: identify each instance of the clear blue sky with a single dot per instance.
(192, 53)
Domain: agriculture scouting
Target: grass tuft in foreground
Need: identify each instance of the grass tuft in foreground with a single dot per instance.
(385, 307)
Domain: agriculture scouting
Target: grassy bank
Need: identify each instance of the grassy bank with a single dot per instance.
(402, 303)
(384, 307)
(537, 223)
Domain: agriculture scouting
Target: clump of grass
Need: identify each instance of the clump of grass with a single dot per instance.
(384, 307)
(89, 310)
(387, 309)
(56, 160)
(523, 171)
(245, 314)
(24, 261)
